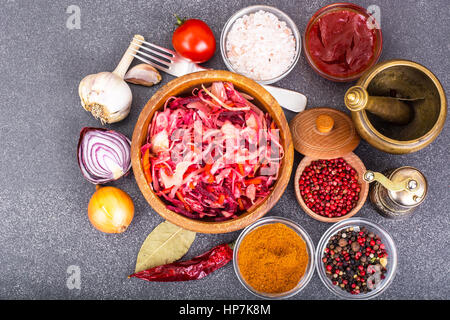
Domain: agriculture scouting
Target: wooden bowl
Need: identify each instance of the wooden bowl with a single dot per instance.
(184, 86)
(354, 161)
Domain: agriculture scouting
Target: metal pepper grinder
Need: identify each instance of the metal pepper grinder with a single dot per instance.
(396, 194)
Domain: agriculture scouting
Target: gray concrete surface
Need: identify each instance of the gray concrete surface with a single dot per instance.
(44, 227)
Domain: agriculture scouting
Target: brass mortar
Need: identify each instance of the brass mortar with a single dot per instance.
(405, 80)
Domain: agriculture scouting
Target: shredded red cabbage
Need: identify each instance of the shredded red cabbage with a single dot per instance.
(214, 154)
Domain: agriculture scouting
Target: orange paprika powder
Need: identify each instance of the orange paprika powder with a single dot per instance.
(273, 258)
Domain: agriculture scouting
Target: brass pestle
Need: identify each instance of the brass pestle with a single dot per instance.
(390, 109)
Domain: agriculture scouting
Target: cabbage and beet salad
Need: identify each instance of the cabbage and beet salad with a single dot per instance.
(213, 154)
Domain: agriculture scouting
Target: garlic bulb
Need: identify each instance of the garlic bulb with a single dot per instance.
(106, 95)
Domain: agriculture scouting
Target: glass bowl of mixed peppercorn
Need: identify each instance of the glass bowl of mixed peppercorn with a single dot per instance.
(356, 259)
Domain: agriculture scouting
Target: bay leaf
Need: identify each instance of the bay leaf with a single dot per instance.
(165, 244)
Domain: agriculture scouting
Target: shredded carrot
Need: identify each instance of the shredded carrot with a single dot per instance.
(146, 165)
(241, 169)
(253, 181)
(211, 178)
(181, 198)
(241, 204)
(166, 190)
(272, 125)
(252, 174)
(221, 199)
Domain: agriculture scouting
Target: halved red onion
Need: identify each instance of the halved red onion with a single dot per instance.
(103, 155)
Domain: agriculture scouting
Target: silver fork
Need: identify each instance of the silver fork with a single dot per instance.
(170, 62)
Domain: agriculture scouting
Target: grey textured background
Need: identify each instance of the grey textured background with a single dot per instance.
(43, 197)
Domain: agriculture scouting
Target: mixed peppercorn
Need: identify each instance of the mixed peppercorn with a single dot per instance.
(330, 188)
(355, 260)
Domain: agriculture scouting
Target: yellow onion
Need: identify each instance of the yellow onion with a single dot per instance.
(110, 210)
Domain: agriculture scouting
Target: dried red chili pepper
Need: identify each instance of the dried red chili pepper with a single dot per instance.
(193, 269)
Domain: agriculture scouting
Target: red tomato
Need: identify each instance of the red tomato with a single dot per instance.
(194, 40)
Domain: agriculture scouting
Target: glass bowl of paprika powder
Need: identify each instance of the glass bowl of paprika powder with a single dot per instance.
(342, 41)
(274, 258)
(356, 259)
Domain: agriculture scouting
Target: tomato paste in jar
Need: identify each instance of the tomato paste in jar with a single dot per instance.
(341, 43)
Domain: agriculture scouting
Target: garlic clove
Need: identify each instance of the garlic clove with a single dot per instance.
(143, 74)
(107, 96)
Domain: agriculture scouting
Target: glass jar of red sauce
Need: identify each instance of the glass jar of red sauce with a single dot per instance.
(342, 41)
